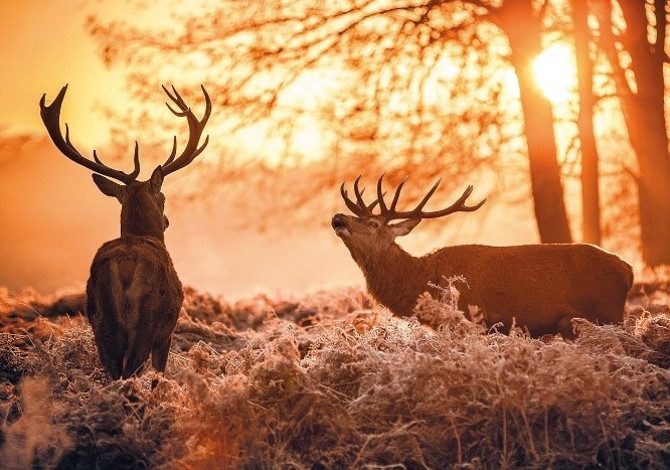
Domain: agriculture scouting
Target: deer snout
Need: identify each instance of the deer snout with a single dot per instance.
(339, 223)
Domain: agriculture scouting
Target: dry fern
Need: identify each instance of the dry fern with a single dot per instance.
(331, 381)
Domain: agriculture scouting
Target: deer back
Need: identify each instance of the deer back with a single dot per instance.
(541, 286)
(133, 267)
(134, 298)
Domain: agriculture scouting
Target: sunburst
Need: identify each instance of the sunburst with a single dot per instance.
(556, 73)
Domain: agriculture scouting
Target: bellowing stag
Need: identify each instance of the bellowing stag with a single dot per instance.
(542, 286)
(133, 293)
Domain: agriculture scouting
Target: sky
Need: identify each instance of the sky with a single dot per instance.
(44, 46)
(54, 218)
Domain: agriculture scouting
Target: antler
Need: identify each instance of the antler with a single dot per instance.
(390, 213)
(195, 128)
(359, 207)
(51, 119)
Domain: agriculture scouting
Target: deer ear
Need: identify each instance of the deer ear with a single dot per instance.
(108, 187)
(404, 227)
(156, 180)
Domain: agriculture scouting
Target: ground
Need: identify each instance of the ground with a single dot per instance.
(332, 380)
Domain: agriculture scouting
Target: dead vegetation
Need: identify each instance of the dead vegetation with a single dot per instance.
(332, 381)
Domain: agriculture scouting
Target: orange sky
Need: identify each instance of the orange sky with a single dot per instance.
(44, 46)
(53, 238)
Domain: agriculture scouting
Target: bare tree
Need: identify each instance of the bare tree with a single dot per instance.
(522, 23)
(589, 167)
(640, 81)
(415, 82)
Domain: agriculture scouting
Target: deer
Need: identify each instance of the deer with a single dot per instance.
(540, 287)
(133, 294)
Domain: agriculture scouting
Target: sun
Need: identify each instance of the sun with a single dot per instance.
(556, 73)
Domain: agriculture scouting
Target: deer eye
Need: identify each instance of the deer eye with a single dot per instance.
(374, 223)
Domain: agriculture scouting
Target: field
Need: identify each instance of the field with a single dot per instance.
(333, 381)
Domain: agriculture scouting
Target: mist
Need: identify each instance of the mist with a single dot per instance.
(54, 220)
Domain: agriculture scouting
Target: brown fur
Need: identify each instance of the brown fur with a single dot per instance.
(542, 286)
(134, 298)
(133, 293)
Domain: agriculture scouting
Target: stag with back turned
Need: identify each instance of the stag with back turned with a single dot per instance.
(541, 287)
(133, 293)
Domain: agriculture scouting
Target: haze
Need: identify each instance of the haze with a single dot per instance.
(54, 218)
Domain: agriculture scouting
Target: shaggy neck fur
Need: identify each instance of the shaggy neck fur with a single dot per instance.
(141, 217)
(394, 277)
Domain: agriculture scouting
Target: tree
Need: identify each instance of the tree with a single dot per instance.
(589, 167)
(523, 26)
(642, 94)
(397, 98)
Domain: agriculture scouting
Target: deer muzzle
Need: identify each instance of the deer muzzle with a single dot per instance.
(339, 224)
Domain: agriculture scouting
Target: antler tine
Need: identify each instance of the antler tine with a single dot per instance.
(418, 213)
(360, 208)
(369, 207)
(380, 195)
(208, 104)
(358, 193)
(459, 205)
(173, 153)
(430, 193)
(396, 196)
(136, 161)
(195, 128)
(51, 118)
(177, 99)
(351, 204)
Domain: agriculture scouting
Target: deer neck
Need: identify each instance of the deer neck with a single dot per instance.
(141, 219)
(395, 278)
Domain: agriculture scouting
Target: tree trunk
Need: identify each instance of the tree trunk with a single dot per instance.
(589, 174)
(523, 29)
(645, 117)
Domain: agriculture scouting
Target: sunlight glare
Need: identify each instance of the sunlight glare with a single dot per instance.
(555, 72)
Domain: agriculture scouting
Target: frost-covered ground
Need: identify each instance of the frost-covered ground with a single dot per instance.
(333, 381)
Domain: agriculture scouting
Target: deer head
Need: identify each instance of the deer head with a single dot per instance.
(142, 202)
(367, 233)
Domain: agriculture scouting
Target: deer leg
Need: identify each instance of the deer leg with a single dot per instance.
(138, 355)
(159, 357)
(111, 346)
(159, 354)
(109, 339)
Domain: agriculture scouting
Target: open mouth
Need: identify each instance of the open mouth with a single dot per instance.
(340, 226)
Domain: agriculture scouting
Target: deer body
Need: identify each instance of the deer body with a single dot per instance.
(133, 293)
(134, 298)
(542, 287)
